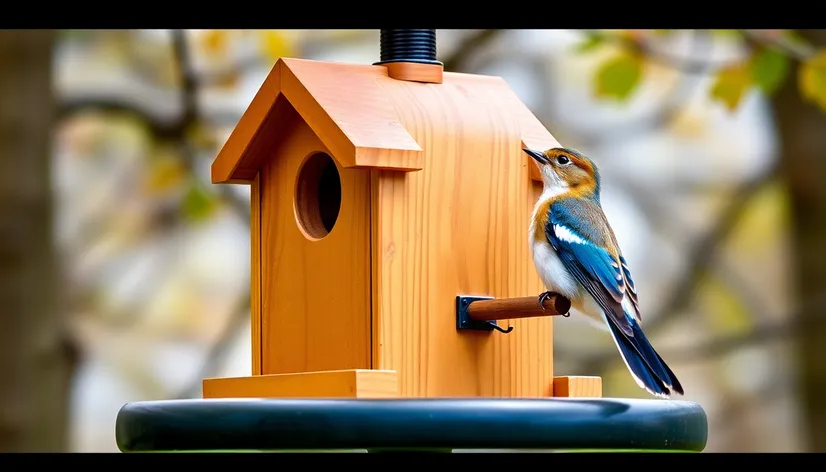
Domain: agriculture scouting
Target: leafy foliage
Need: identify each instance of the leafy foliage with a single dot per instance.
(199, 203)
(812, 79)
(731, 84)
(769, 69)
(773, 56)
(276, 44)
(618, 77)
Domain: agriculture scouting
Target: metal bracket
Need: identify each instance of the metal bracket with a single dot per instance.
(463, 321)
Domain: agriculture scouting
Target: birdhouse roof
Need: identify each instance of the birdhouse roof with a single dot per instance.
(348, 108)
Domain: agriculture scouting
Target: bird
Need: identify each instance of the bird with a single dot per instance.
(576, 255)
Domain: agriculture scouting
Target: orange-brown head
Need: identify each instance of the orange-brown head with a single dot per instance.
(567, 172)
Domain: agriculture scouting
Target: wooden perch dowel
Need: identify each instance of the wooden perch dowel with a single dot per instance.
(512, 308)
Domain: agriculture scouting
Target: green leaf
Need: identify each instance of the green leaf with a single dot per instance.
(769, 69)
(198, 203)
(731, 85)
(618, 77)
(592, 40)
(812, 79)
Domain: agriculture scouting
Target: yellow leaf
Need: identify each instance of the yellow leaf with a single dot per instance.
(812, 79)
(164, 173)
(215, 41)
(731, 85)
(275, 44)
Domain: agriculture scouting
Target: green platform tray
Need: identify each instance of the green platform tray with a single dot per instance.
(442, 425)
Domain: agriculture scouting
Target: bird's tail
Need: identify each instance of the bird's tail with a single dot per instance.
(646, 366)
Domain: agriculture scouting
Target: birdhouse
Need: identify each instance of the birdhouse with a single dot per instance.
(390, 211)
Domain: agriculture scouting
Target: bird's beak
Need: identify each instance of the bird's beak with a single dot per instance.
(538, 156)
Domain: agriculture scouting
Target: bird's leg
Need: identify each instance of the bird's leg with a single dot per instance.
(544, 296)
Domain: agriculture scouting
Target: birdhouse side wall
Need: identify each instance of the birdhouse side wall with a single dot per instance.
(315, 298)
(458, 227)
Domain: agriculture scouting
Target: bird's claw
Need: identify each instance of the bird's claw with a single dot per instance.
(543, 297)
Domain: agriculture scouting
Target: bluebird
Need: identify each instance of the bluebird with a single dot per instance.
(576, 255)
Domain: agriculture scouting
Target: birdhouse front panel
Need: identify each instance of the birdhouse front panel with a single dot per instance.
(459, 227)
(315, 257)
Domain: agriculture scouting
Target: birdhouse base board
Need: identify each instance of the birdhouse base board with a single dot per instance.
(578, 387)
(356, 383)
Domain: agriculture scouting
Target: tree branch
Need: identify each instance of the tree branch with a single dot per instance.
(671, 105)
(809, 317)
(191, 117)
(689, 65)
(189, 80)
(797, 49)
(700, 259)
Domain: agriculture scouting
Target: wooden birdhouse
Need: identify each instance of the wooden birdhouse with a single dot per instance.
(389, 201)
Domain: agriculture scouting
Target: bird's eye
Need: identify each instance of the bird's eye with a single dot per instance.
(562, 160)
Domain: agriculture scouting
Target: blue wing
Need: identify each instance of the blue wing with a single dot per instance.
(578, 242)
(631, 290)
(580, 234)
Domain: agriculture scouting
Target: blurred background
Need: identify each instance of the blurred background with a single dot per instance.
(124, 273)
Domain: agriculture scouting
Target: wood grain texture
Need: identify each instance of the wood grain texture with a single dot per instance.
(578, 387)
(459, 226)
(353, 383)
(255, 273)
(315, 293)
(436, 200)
(228, 166)
(513, 308)
(342, 103)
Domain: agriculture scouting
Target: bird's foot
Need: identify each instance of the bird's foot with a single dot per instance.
(543, 297)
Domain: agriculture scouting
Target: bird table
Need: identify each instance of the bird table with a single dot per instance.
(390, 207)
(412, 425)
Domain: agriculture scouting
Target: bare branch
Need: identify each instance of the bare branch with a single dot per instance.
(705, 250)
(689, 65)
(810, 317)
(189, 80)
(796, 49)
(700, 258)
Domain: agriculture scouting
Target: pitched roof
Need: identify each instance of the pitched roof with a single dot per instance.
(349, 108)
(343, 105)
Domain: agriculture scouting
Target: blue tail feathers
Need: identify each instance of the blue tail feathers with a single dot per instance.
(645, 364)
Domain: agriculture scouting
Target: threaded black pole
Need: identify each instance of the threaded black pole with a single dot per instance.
(408, 45)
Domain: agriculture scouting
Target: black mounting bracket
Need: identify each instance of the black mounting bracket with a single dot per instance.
(465, 323)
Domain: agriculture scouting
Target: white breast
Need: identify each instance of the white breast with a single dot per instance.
(556, 278)
(551, 271)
